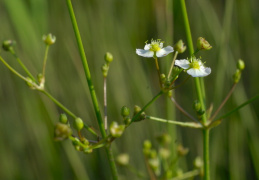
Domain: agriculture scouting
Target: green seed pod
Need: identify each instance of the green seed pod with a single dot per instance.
(49, 39)
(108, 57)
(87, 150)
(125, 111)
(142, 116)
(78, 124)
(127, 121)
(116, 130)
(240, 65)
(154, 163)
(75, 142)
(180, 47)
(61, 131)
(122, 159)
(8, 45)
(198, 163)
(147, 144)
(105, 69)
(84, 141)
(163, 78)
(202, 44)
(63, 118)
(197, 105)
(164, 153)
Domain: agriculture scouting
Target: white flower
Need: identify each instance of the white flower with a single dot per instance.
(195, 68)
(154, 49)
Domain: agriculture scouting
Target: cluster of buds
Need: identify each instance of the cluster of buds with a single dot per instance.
(108, 57)
(142, 116)
(116, 130)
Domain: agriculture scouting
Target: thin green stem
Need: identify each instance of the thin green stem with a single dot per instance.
(105, 103)
(45, 61)
(158, 72)
(146, 106)
(223, 102)
(22, 65)
(91, 87)
(188, 175)
(200, 90)
(183, 124)
(66, 110)
(172, 65)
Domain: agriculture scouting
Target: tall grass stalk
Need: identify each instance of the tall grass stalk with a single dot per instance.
(91, 87)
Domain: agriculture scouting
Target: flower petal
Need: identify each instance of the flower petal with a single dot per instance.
(199, 72)
(147, 47)
(144, 53)
(164, 51)
(183, 63)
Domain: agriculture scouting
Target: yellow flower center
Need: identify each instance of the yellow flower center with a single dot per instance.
(195, 65)
(155, 45)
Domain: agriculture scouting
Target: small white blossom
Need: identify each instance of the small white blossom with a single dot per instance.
(154, 49)
(195, 68)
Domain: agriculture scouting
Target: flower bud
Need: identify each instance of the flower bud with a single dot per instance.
(198, 163)
(154, 163)
(87, 150)
(116, 130)
(75, 142)
(142, 116)
(78, 124)
(197, 106)
(127, 121)
(164, 153)
(49, 39)
(237, 76)
(182, 151)
(125, 111)
(8, 45)
(123, 159)
(147, 144)
(105, 69)
(108, 57)
(163, 78)
(202, 44)
(179, 46)
(61, 131)
(164, 139)
(63, 118)
(240, 65)
(84, 141)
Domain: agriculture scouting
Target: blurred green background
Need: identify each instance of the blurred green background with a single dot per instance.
(27, 118)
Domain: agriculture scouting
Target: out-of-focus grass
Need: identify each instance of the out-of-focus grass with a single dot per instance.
(27, 150)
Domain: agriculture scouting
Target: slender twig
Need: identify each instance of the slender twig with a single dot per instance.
(223, 102)
(183, 111)
(105, 103)
(149, 170)
(45, 61)
(172, 65)
(183, 124)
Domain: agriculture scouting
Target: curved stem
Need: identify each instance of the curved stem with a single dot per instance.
(172, 65)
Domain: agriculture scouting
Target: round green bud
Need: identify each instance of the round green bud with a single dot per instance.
(182, 151)
(78, 124)
(63, 118)
(202, 44)
(180, 47)
(127, 121)
(49, 39)
(78, 148)
(125, 111)
(196, 105)
(154, 163)
(61, 131)
(198, 163)
(147, 144)
(75, 142)
(87, 150)
(84, 141)
(108, 57)
(163, 78)
(40, 78)
(142, 116)
(240, 65)
(116, 130)
(8, 45)
(122, 159)
(164, 153)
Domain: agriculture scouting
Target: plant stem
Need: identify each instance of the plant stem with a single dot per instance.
(172, 65)
(183, 124)
(158, 72)
(91, 87)
(22, 65)
(188, 175)
(105, 103)
(200, 95)
(223, 102)
(45, 61)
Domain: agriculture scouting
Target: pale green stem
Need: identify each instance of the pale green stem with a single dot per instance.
(105, 103)
(22, 65)
(91, 87)
(45, 61)
(158, 71)
(183, 124)
(188, 175)
(172, 65)
(199, 93)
